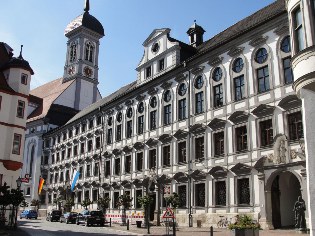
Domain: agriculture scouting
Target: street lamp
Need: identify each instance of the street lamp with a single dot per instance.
(18, 184)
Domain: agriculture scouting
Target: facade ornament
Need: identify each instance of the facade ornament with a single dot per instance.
(118, 107)
(270, 157)
(153, 91)
(129, 102)
(109, 112)
(166, 85)
(235, 51)
(258, 41)
(197, 70)
(282, 29)
(140, 97)
(280, 149)
(293, 154)
(181, 77)
(299, 214)
(215, 61)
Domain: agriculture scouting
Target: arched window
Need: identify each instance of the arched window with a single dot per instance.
(73, 52)
(89, 51)
(261, 55)
(238, 65)
(31, 160)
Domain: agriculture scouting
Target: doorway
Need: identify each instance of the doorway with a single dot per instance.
(152, 206)
(285, 190)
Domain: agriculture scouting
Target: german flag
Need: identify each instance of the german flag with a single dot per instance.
(40, 185)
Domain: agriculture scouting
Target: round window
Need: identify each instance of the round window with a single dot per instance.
(167, 96)
(153, 102)
(119, 117)
(182, 89)
(217, 74)
(155, 47)
(129, 112)
(261, 55)
(238, 65)
(141, 107)
(285, 44)
(110, 121)
(199, 82)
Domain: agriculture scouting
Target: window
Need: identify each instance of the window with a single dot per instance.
(28, 191)
(220, 193)
(79, 194)
(285, 45)
(140, 124)
(83, 127)
(61, 176)
(241, 138)
(77, 130)
(53, 159)
(118, 133)
(287, 70)
(167, 155)
(239, 87)
(138, 196)
(119, 117)
(139, 161)
(89, 50)
(82, 148)
(129, 128)
(87, 194)
(67, 175)
(182, 89)
(117, 166)
(199, 82)
(152, 120)
(152, 158)
(243, 191)
(182, 109)
(73, 52)
(295, 126)
(200, 195)
(109, 136)
(266, 132)
(24, 79)
(75, 150)
(298, 30)
(238, 65)
(16, 144)
(94, 195)
(88, 171)
(182, 152)
(98, 142)
(110, 121)
(90, 145)
(49, 198)
(153, 102)
(107, 168)
(261, 55)
(128, 164)
(199, 102)
(219, 143)
(218, 95)
(51, 178)
(217, 74)
(56, 177)
(263, 79)
(182, 193)
(141, 107)
(20, 109)
(148, 72)
(199, 148)
(161, 64)
(70, 133)
(96, 169)
(63, 154)
(167, 96)
(58, 157)
(91, 124)
(129, 112)
(81, 172)
(167, 114)
(99, 120)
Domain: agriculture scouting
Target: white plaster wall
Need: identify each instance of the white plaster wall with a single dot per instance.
(86, 95)
(67, 98)
(13, 76)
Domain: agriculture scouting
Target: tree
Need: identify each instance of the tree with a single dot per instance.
(145, 203)
(103, 203)
(69, 204)
(124, 201)
(24, 204)
(57, 202)
(86, 202)
(173, 199)
(35, 203)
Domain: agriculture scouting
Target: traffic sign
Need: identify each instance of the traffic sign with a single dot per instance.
(168, 214)
(24, 180)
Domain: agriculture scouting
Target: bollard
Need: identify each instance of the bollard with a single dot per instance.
(110, 222)
(128, 224)
(211, 230)
(174, 227)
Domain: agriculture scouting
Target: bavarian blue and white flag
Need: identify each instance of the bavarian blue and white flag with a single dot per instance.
(75, 177)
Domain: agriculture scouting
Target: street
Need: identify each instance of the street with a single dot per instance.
(41, 227)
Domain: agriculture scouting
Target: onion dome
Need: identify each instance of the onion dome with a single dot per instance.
(86, 20)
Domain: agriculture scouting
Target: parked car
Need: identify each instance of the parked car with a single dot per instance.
(54, 215)
(28, 214)
(90, 218)
(69, 217)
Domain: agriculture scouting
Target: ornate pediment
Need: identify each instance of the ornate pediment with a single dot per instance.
(153, 91)
(181, 77)
(235, 51)
(137, 182)
(109, 112)
(241, 168)
(95, 184)
(181, 134)
(140, 97)
(263, 110)
(138, 145)
(127, 149)
(89, 135)
(258, 41)
(180, 177)
(215, 61)
(218, 172)
(96, 157)
(152, 142)
(117, 152)
(98, 132)
(239, 117)
(197, 129)
(106, 186)
(164, 179)
(197, 70)
(87, 184)
(198, 175)
(289, 102)
(67, 165)
(74, 163)
(126, 184)
(129, 102)
(69, 144)
(216, 124)
(118, 107)
(82, 138)
(166, 85)
(107, 154)
(282, 29)
(75, 141)
(166, 138)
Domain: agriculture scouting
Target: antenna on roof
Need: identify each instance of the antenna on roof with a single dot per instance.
(87, 6)
(20, 57)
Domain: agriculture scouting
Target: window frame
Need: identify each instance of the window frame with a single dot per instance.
(24, 78)
(17, 140)
(238, 135)
(218, 102)
(265, 78)
(20, 109)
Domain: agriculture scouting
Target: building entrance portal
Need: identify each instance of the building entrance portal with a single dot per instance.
(285, 190)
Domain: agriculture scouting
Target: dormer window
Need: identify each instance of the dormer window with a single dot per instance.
(73, 52)
(155, 47)
(89, 50)
(24, 79)
(148, 72)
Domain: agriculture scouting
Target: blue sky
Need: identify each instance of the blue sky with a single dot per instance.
(39, 25)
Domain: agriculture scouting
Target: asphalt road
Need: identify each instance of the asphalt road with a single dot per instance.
(41, 227)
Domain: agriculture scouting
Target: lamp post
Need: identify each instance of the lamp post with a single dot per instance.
(18, 185)
(150, 189)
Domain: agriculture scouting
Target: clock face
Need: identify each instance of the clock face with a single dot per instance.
(71, 70)
(88, 71)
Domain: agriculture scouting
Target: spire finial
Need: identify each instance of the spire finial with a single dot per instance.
(87, 6)
(21, 57)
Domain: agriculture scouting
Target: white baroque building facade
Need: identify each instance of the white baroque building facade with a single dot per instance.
(216, 121)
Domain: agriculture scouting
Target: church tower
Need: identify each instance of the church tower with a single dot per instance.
(83, 34)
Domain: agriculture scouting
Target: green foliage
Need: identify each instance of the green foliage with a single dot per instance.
(24, 204)
(244, 222)
(86, 202)
(5, 198)
(103, 202)
(145, 201)
(69, 203)
(173, 199)
(16, 197)
(57, 201)
(125, 201)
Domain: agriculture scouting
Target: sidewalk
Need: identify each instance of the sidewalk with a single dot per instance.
(186, 231)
